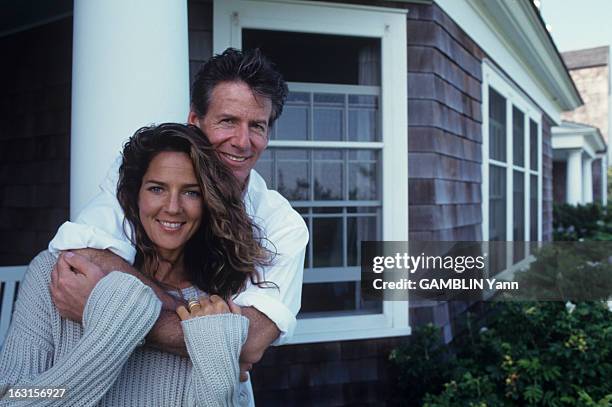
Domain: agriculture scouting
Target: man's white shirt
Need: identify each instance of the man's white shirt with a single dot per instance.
(101, 226)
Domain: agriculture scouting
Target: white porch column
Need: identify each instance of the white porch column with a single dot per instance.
(130, 68)
(604, 179)
(587, 180)
(574, 177)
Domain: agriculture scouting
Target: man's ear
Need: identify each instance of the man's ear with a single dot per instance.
(192, 118)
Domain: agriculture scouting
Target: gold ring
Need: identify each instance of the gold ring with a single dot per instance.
(192, 304)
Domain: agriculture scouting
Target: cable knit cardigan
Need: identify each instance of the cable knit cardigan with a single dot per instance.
(100, 363)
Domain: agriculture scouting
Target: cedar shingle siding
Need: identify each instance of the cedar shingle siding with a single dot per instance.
(445, 128)
(34, 138)
(547, 178)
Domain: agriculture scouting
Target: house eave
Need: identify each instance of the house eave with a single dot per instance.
(578, 136)
(520, 26)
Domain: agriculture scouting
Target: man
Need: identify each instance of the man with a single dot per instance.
(235, 99)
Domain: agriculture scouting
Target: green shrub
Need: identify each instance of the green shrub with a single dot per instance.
(569, 271)
(582, 222)
(424, 364)
(526, 354)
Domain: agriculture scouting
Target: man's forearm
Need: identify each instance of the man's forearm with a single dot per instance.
(262, 332)
(167, 333)
(109, 261)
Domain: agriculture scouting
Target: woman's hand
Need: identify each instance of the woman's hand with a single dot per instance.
(207, 306)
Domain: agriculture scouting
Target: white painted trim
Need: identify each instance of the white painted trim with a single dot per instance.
(325, 144)
(604, 178)
(473, 16)
(572, 135)
(365, 333)
(572, 141)
(10, 276)
(334, 88)
(231, 16)
(336, 6)
(492, 77)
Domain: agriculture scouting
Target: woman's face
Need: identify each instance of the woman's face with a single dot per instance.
(170, 203)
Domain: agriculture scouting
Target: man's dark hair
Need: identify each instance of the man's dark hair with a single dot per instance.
(250, 67)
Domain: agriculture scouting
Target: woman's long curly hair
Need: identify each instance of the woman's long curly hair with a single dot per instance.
(226, 249)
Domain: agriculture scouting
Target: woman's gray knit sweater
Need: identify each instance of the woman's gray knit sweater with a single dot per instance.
(100, 363)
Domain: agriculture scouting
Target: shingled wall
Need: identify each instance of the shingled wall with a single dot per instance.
(35, 78)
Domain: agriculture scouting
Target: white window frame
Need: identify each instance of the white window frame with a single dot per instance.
(493, 78)
(389, 25)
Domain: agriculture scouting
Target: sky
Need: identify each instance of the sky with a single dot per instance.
(578, 24)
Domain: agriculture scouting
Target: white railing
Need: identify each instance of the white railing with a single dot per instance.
(9, 277)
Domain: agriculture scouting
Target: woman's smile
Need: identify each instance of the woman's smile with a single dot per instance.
(170, 226)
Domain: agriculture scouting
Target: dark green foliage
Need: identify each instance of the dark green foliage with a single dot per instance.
(424, 364)
(586, 222)
(569, 271)
(526, 354)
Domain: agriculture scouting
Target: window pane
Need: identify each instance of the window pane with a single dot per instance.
(497, 126)
(518, 232)
(518, 136)
(265, 166)
(359, 229)
(328, 117)
(327, 242)
(334, 298)
(363, 118)
(340, 59)
(292, 179)
(533, 142)
(294, 122)
(497, 203)
(533, 209)
(363, 175)
(328, 174)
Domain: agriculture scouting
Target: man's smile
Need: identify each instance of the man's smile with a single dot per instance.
(235, 158)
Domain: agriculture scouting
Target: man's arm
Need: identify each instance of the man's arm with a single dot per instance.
(109, 261)
(167, 334)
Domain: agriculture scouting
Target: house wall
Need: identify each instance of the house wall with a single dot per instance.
(559, 181)
(594, 86)
(547, 178)
(445, 128)
(34, 138)
(445, 160)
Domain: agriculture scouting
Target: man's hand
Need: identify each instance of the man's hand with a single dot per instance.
(105, 259)
(72, 280)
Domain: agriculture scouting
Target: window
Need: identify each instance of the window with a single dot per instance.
(331, 153)
(511, 167)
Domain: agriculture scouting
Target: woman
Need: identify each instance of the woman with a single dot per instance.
(188, 223)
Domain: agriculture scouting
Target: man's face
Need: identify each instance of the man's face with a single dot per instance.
(236, 124)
